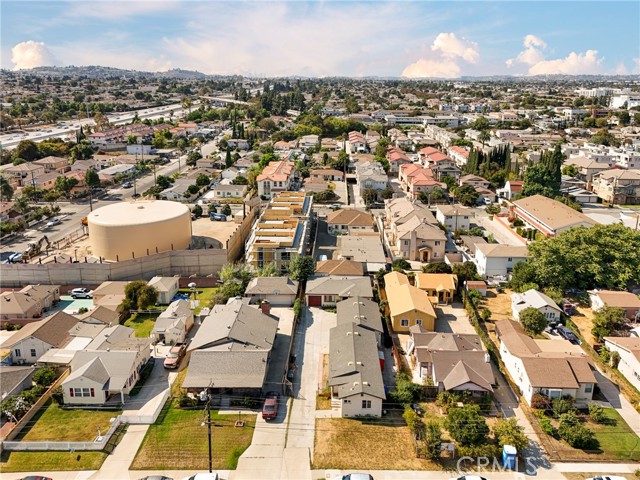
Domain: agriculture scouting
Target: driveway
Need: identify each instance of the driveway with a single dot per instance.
(151, 396)
(500, 232)
(278, 362)
(618, 401)
(325, 244)
(453, 319)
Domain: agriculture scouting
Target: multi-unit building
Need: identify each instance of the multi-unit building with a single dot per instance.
(276, 177)
(548, 216)
(282, 231)
(617, 186)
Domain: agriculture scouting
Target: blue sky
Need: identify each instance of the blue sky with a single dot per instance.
(325, 38)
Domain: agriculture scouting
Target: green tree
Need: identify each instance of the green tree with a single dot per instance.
(400, 264)
(606, 321)
(27, 150)
(226, 209)
(65, 184)
(325, 196)
(432, 439)
(575, 433)
(466, 426)
(406, 391)
(139, 295)
(6, 190)
(91, 178)
(570, 170)
(228, 161)
(240, 180)
(439, 267)
(163, 181)
(507, 432)
(533, 320)
(197, 211)
(341, 162)
(465, 271)
(369, 196)
(301, 267)
(387, 193)
(44, 376)
(193, 158)
(202, 180)
(268, 270)
(467, 195)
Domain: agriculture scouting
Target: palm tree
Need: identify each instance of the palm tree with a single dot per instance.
(484, 137)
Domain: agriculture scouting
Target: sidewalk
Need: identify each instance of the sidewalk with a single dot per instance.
(117, 464)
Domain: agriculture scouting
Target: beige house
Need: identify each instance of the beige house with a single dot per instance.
(441, 287)
(167, 288)
(618, 186)
(343, 268)
(549, 216)
(587, 167)
(348, 222)
(173, 324)
(629, 350)
(27, 304)
(454, 217)
(408, 305)
(627, 301)
(553, 368)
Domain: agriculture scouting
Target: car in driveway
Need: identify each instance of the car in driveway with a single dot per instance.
(607, 477)
(127, 185)
(354, 476)
(36, 477)
(156, 477)
(175, 356)
(567, 334)
(270, 407)
(53, 222)
(217, 217)
(81, 293)
(203, 476)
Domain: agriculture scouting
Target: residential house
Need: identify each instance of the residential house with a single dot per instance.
(23, 173)
(618, 186)
(459, 155)
(396, 159)
(511, 189)
(497, 260)
(349, 221)
(629, 350)
(231, 351)
(363, 312)
(539, 301)
(553, 368)
(454, 217)
(46, 181)
(355, 377)
(278, 291)
(27, 304)
(408, 305)
(15, 379)
(276, 177)
(29, 343)
(239, 143)
(328, 291)
(479, 286)
(342, 268)
(328, 174)
(548, 216)
(179, 190)
(356, 142)
(587, 167)
(167, 288)
(627, 301)
(53, 164)
(222, 191)
(99, 316)
(308, 141)
(416, 180)
(474, 181)
(441, 287)
(364, 248)
(110, 294)
(451, 361)
(371, 175)
(173, 325)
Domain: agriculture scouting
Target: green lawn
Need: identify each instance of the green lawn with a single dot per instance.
(50, 461)
(177, 441)
(142, 323)
(205, 295)
(53, 423)
(616, 437)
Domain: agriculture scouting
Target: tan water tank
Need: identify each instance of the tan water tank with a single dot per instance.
(134, 229)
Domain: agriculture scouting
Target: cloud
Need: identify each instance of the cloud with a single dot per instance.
(451, 47)
(442, 60)
(32, 54)
(573, 64)
(119, 9)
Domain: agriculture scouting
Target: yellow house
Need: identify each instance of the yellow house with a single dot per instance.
(408, 305)
(439, 286)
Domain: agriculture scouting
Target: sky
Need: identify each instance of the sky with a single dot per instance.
(326, 38)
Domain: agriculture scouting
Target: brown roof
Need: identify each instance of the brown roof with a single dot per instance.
(350, 217)
(53, 330)
(101, 314)
(552, 213)
(618, 299)
(631, 344)
(437, 281)
(340, 267)
(549, 372)
(517, 342)
(110, 288)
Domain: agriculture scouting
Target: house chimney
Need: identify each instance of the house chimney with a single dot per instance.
(265, 306)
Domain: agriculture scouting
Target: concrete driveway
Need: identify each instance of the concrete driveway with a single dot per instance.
(325, 244)
(453, 319)
(279, 354)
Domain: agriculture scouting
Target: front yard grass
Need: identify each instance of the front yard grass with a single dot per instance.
(142, 323)
(177, 441)
(204, 295)
(366, 444)
(50, 461)
(55, 424)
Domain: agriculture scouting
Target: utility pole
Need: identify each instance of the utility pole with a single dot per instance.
(207, 393)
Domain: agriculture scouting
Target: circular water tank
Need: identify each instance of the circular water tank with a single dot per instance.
(126, 230)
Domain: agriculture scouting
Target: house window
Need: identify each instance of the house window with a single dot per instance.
(437, 243)
(17, 352)
(406, 242)
(419, 321)
(509, 259)
(588, 388)
(366, 403)
(82, 392)
(33, 352)
(404, 322)
(346, 401)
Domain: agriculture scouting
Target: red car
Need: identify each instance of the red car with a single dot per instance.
(270, 407)
(175, 356)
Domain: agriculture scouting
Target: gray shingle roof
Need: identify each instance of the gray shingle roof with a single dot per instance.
(272, 286)
(226, 369)
(360, 311)
(345, 287)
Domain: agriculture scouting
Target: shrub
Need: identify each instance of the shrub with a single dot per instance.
(540, 402)
(574, 433)
(508, 432)
(83, 310)
(186, 401)
(596, 413)
(414, 422)
(297, 307)
(57, 396)
(476, 451)
(546, 425)
(406, 391)
(615, 359)
(44, 376)
(485, 314)
(466, 425)
(533, 320)
(560, 406)
(432, 439)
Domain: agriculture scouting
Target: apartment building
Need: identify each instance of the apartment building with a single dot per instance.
(276, 177)
(617, 186)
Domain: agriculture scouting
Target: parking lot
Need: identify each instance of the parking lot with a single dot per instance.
(220, 231)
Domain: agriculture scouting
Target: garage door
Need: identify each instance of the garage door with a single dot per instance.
(314, 300)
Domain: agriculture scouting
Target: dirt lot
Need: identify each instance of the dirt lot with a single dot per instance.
(499, 304)
(221, 231)
(584, 321)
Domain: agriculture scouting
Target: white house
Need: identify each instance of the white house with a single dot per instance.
(278, 291)
(229, 191)
(629, 350)
(355, 374)
(537, 300)
(454, 217)
(627, 301)
(553, 368)
(173, 324)
(167, 287)
(496, 259)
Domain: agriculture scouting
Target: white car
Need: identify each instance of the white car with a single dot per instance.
(203, 476)
(607, 477)
(81, 293)
(53, 222)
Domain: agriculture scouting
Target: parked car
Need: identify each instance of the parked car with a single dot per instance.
(156, 477)
(203, 476)
(218, 217)
(127, 185)
(81, 293)
(567, 334)
(469, 477)
(270, 407)
(176, 354)
(15, 258)
(418, 409)
(53, 222)
(36, 477)
(607, 477)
